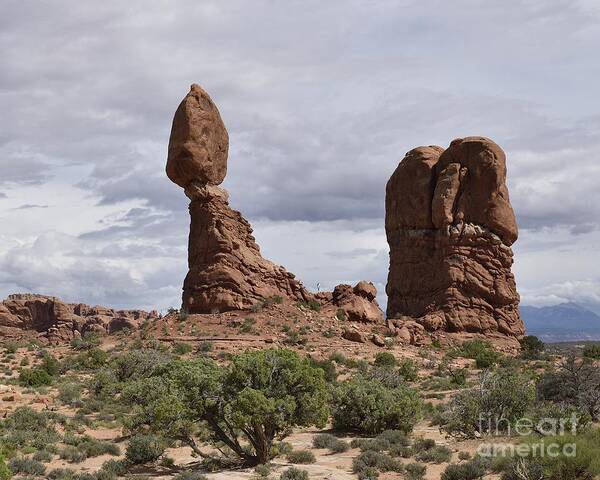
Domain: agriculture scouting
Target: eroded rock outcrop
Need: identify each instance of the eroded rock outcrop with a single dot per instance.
(59, 321)
(226, 269)
(450, 225)
(358, 303)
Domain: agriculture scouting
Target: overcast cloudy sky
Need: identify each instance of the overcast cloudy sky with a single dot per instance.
(321, 100)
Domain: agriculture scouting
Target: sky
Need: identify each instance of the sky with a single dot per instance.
(321, 101)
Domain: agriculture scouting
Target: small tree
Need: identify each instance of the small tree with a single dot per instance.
(501, 398)
(531, 347)
(258, 397)
(575, 383)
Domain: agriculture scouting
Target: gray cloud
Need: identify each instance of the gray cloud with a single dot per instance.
(29, 206)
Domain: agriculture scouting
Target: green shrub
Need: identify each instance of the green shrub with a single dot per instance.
(583, 465)
(91, 359)
(87, 341)
(464, 456)
(50, 365)
(310, 305)
(480, 351)
(501, 398)
(387, 376)
(190, 476)
(486, 359)
(181, 348)
(5, 473)
(257, 307)
(294, 473)
(592, 351)
(561, 413)
(138, 364)
(27, 428)
(11, 347)
(415, 471)
(281, 448)
(43, 456)
(263, 471)
(26, 466)
(519, 468)
(61, 474)
(248, 325)
(575, 383)
(116, 468)
(72, 454)
(385, 359)
(408, 370)
(69, 393)
(302, 457)
(473, 470)
(376, 460)
(368, 406)
(531, 347)
(328, 368)
(206, 346)
(423, 444)
(340, 314)
(144, 449)
(393, 441)
(437, 454)
(368, 473)
(330, 442)
(34, 377)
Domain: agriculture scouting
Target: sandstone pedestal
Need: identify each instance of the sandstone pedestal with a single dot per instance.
(450, 225)
(226, 269)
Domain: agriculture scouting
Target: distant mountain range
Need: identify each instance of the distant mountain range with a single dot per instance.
(561, 323)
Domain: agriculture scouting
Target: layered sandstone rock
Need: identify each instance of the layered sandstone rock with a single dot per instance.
(358, 303)
(226, 269)
(59, 321)
(450, 225)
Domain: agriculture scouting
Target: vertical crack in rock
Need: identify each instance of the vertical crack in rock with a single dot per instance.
(450, 225)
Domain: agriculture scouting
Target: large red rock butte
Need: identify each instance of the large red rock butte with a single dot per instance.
(226, 269)
(450, 225)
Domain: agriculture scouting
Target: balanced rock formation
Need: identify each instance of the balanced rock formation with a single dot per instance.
(58, 321)
(226, 269)
(450, 225)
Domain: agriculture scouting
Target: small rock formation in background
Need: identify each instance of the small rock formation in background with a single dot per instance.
(450, 225)
(59, 321)
(357, 303)
(226, 269)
